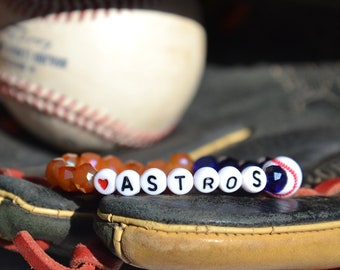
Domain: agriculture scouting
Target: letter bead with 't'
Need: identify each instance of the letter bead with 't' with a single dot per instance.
(180, 181)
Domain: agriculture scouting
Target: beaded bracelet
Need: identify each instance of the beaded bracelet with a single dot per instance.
(281, 177)
(72, 172)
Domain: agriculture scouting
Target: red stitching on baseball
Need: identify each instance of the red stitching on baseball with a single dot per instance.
(70, 111)
(290, 170)
(66, 8)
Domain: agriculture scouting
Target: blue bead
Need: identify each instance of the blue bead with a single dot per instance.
(276, 179)
(206, 161)
(249, 163)
(229, 162)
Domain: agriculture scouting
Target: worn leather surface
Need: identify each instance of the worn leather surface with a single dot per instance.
(224, 210)
(41, 196)
(48, 215)
(155, 249)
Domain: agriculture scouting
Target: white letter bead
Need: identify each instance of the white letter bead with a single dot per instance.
(230, 179)
(206, 179)
(254, 179)
(153, 181)
(180, 181)
(104, 181)
(127, 183)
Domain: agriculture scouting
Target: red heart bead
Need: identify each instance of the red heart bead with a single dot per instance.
(103, 183)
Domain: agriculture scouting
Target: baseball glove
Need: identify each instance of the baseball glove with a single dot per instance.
(194, 231)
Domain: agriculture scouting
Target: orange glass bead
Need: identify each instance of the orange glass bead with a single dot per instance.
(65, 176)
(51, 172)
(181, 160)
(70, 159)
(88, 157)
(134, 165)
(83, 178)
(112, 162)
(159, 164)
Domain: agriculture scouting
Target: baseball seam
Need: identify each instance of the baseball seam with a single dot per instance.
(292, 172)
(73, 112)
(33, 8)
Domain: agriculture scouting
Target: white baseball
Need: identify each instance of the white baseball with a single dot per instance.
(294, 175)
(110, 72)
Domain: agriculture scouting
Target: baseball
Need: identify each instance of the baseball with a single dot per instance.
(94, 74)
(294, 175)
